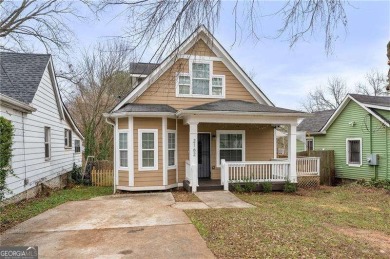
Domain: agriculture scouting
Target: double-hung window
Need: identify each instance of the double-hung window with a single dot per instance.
(309, 144)
(47, 143)
(68, 138)
(123, 150)
(200, 81)
(354, 151)
(77, 147)
(147, 149)
(171, 148)
(230, 145)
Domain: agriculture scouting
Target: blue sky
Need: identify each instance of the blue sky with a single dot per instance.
(287, 74)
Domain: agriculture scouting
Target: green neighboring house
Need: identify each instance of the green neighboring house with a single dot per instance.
(359, 133)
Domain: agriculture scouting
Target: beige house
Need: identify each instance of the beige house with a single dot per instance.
(198, 119)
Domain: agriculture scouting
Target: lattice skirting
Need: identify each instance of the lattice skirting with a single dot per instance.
(308, 181)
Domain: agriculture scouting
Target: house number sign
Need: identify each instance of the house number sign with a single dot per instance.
(194, 148)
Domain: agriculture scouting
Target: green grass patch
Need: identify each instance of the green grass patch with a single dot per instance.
(323, 223)
(15, 213)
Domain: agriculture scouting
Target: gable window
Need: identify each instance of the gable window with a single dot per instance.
(171, 148)
(77, 148)
(123, 157)
(147, 149)
(354, 151)
(309, 144)
(68, 138)
(47, 143)
(230, 145)
(200, 82)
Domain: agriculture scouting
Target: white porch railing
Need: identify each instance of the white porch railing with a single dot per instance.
(308, 166)
(263, 171)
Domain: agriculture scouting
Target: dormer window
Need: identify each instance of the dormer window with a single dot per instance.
(200, 82)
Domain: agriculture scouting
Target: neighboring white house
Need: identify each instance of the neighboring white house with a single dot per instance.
(46, 140)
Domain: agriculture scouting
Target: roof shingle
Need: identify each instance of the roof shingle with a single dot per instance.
(372, 100)
(137, 107)
(21, 73)
(142, 68)
(315, 123)
(239, 106)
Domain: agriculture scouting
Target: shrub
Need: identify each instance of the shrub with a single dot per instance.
(290, 187)
(375, 183)
(6, 134)
(76, 174)
(267, 187)
(246, 186)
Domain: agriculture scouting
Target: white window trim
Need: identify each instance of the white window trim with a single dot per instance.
(211, 75)
(75, 146)
(119, 150)
(347, 152)
(309, 138)
(172, 166)
(48, 142)
(219, 132)
(69, 138)
(155, 132)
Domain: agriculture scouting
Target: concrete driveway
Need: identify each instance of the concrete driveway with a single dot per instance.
(125, 226)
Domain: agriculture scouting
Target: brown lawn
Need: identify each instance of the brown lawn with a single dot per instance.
(331, 222)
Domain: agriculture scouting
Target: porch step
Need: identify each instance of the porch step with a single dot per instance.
(209, 188)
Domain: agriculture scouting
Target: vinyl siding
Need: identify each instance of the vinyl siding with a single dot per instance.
(123, 123)
(153, 177)
(300, 146)
(340, 130)
(200, 48)
(123, 178)
(28, 154)
(163, 91)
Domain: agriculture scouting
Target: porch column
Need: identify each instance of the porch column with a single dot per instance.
(292, 152)
(193, 154)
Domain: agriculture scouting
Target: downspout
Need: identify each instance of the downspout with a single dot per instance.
(114, 182)
(375, 167)
(25, 182)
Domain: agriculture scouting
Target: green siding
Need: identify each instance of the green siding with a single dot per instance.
(340, 130)
(300, 146)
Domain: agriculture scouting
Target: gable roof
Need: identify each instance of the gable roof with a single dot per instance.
(21, 73)
(200, 33)
(367, 103)
(20, 77)
(315, 123)
(239, 106)
(368, 100)
(142, 68)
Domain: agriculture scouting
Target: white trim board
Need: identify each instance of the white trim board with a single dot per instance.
(155, 132)
(205, 35)
(341, 107)
(347, 152)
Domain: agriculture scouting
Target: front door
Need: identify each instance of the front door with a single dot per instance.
(204, 155)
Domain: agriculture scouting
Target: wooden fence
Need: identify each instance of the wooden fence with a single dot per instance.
(102, 173)
(327, 169)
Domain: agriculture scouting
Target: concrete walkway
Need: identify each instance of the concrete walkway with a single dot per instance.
(213, 200)
(119, 226)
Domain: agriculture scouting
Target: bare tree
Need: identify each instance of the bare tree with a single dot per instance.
(328, 97)
(375, 84)
(44, 22)
(100, 79)
(168, 21)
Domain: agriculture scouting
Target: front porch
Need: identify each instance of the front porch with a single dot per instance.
(275, 172)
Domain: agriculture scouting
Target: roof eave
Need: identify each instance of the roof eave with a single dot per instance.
(145, 114)
(300, 115)
(15, 104)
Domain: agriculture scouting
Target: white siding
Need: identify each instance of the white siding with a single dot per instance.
(28, 160)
